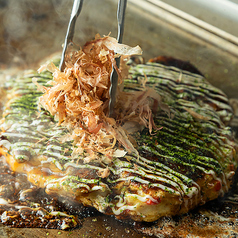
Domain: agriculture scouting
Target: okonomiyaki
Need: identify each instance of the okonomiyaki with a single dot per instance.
(167, 150)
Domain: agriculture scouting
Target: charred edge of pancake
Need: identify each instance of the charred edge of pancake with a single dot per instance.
(170, 61)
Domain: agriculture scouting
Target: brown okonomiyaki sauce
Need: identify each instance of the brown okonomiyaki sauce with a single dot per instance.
(24, 205)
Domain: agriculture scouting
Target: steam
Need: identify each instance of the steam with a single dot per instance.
(14, 21)
(32, 30)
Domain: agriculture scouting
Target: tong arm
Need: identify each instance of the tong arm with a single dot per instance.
(77, 7)
(121, 10)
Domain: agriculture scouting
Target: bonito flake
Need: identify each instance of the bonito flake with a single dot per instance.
(79, 97)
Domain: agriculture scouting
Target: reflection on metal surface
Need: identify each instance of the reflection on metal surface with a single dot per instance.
(222, 14)
(190, 24)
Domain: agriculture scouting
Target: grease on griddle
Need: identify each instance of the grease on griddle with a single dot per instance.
(23, 205)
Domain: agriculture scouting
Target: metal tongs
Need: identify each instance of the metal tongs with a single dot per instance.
(121, 9)
(77, 7)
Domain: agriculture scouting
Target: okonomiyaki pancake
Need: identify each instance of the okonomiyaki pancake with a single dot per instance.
(190, 160)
